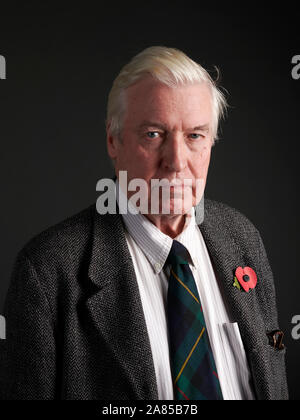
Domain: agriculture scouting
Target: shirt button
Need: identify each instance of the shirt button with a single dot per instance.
(157, 266)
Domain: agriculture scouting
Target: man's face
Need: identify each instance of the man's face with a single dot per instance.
(167, 134)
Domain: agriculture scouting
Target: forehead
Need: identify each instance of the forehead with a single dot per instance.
(190, 104)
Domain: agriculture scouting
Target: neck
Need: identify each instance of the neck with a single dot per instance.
(169, 225)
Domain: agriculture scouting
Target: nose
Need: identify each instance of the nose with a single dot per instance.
(174, 155)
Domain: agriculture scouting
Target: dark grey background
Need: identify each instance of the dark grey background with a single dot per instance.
(61, 62)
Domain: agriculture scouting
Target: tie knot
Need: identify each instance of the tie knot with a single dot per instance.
(178, 254)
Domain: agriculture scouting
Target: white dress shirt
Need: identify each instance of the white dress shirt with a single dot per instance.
(149, 249)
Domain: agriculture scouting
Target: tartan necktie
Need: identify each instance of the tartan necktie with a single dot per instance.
(193, 367)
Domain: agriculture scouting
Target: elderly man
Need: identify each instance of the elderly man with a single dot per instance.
(177, 303)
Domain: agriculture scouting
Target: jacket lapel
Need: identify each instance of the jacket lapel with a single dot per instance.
(116, 309)
(226, 255)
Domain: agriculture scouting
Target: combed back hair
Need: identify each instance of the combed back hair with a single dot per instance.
(169, 66)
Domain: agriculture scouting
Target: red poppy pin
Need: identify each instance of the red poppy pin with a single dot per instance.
(245, 277)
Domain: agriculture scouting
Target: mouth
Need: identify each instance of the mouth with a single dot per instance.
(173, 183)
(174, 192)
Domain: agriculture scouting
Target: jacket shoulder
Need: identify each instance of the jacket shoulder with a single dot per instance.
(62, 241)
(221, 214)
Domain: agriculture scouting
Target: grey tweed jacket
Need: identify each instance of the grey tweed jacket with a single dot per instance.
(74, 317)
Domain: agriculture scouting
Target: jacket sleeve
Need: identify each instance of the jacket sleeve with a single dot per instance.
(278, 365)
(267, 292)
(27, 355)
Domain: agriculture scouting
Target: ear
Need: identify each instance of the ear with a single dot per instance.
(112, 143)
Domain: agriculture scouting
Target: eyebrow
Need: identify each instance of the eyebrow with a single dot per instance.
(202, 127)
(152, 124)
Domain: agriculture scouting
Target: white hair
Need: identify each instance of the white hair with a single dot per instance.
(169, 66)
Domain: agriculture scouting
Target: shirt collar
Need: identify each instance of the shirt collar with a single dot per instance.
(155, 244)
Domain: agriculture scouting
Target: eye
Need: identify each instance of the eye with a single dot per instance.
(195, 136)
(152, 134)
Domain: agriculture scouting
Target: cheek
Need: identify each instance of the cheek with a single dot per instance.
(139, 162)
(143, 159)
(201, 162)
(205, 154)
